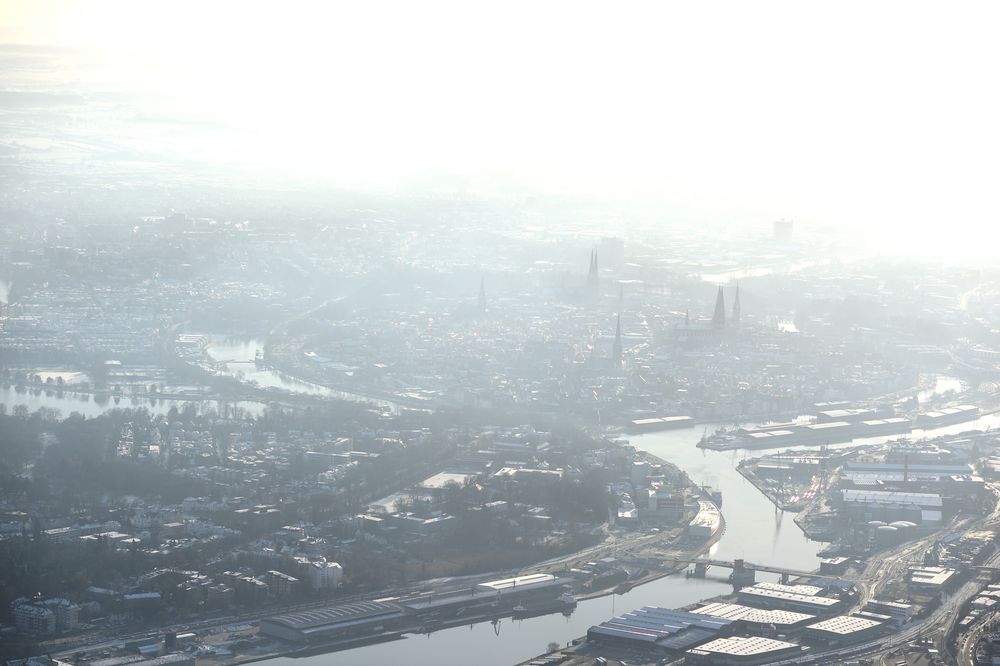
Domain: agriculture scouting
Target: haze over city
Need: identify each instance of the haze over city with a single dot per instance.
(875, 118)
(514, 333)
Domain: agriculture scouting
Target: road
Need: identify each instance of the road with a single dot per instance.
(945, 613)
(887, 567)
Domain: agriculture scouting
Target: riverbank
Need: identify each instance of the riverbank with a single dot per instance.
(752, 530)
(805, 504)
(669, 550)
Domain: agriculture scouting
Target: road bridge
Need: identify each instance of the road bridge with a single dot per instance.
(745, 572)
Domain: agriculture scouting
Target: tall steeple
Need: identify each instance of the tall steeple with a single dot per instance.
(736, 305)
(719, 317)
(616, 351)
(593, 277)
(482, 294)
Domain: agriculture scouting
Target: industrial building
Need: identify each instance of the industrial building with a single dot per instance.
(834, 566)
(932, 579)
(787, 597)
(509, 591)
(810, 590)
(843, 629)
(531, 582)
(656, 628)
(706, 522)
(753, 619)
(173, 659)
(912, 470)
(335, 622)
(743, 651)
(900, 612)
(921, 508)
(947, 415)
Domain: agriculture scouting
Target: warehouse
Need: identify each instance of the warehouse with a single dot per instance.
(509, 591)
(932, 579)
(805, 601)
(335, 622)
(809, 590)
(656, 628)
(915, 470)
(519, 584)
(843, 630)
(752, 619)
(532, 580)
(707, 522)
(740, 651)
(900, 612)
(923, 508)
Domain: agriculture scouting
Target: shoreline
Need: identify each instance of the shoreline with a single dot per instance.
(675, 568)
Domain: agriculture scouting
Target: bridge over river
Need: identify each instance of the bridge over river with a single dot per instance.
(745, 572)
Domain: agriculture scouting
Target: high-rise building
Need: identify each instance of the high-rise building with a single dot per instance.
(783, 230)
(35, 620)
(325, 575)
(67, 613)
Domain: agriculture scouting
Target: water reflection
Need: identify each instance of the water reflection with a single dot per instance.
(83, 403)
(237, 357)
(755, 530)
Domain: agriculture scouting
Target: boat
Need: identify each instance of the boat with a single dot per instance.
(782, 435)
(564, 603)
(660, 423)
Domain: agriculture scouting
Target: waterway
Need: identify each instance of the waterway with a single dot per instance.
(234, 356)
(67, 402)
(755, 531)
(941, 385)
(237, 357)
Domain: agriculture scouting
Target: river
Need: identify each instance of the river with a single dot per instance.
(237, 358)
(67, 402)
(755, 531)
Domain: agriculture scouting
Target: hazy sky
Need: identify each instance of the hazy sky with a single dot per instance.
(880, 115)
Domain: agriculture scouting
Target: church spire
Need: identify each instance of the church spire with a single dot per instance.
(616, 351)
(593, 277)
(719, 317)
(736, 305)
